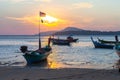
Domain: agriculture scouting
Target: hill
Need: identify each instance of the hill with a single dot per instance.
(77, 31)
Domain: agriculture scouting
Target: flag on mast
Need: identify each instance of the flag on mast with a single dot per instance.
(42, 14)
(42, 21)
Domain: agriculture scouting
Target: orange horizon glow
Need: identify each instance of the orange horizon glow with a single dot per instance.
(21, 16)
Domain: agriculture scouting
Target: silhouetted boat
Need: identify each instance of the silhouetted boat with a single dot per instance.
(102, 45)
(71, 39)
(106, 41)
(60, 42)
(66, 41)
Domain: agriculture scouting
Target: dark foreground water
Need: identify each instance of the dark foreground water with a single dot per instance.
(81, 54)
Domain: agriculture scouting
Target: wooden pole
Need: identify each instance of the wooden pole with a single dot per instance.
(116, 38)
(39, 34)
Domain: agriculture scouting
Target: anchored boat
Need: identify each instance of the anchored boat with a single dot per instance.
(39, 54)
(102, 45)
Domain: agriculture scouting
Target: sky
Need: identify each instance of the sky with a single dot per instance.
(21, 17)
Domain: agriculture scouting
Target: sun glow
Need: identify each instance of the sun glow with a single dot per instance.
(49, 19)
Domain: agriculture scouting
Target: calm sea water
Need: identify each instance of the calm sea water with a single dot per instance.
(81, 54)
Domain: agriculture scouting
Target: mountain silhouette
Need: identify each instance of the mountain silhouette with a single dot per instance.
(77, 31)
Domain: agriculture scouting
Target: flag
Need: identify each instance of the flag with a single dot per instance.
(42, 14)
(42, 21)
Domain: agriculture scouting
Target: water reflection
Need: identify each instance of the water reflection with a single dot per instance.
(42, 64)
(45, 64)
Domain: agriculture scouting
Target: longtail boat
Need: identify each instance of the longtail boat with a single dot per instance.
(67, 41)
(60, 42)
(36, 55)
(39, 54)
(71, 39)
(102, 45)
(107, 41)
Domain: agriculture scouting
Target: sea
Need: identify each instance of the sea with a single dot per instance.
(80, 54)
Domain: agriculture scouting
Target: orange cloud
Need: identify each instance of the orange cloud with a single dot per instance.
(27, 19)
(35, 21)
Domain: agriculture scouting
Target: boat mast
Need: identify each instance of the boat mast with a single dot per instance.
(41, 14)
(39, 33)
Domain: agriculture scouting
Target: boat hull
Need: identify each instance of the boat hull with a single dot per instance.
(36, 58)
(74, 40)
(37, 55)
(60, 42)
(104, 41)
(101, 45)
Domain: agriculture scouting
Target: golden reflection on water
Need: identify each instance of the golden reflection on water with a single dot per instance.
(53, 63)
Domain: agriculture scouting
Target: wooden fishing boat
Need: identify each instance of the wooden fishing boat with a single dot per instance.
(102, 45)
(63, 41)
(60, 42)
(105, 41)
(39, 54)
(71, 39)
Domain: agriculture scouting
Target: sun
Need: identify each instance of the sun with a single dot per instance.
(49, 19)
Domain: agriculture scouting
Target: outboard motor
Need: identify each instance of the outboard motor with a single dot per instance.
(23, 49)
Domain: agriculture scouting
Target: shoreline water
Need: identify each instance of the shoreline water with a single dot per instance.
(80, 61)
(79, 55)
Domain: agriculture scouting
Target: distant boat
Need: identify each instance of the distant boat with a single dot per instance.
(66, 41)
(102, 45)
(117, 46)
(106, 41)
(60, 42)
(71, 39)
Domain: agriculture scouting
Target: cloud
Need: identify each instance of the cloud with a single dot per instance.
(34, 20)
(44, 0)
(83, 5)
(27, 19)
(17, 1)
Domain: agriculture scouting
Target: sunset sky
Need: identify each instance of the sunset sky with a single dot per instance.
(19, 17)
